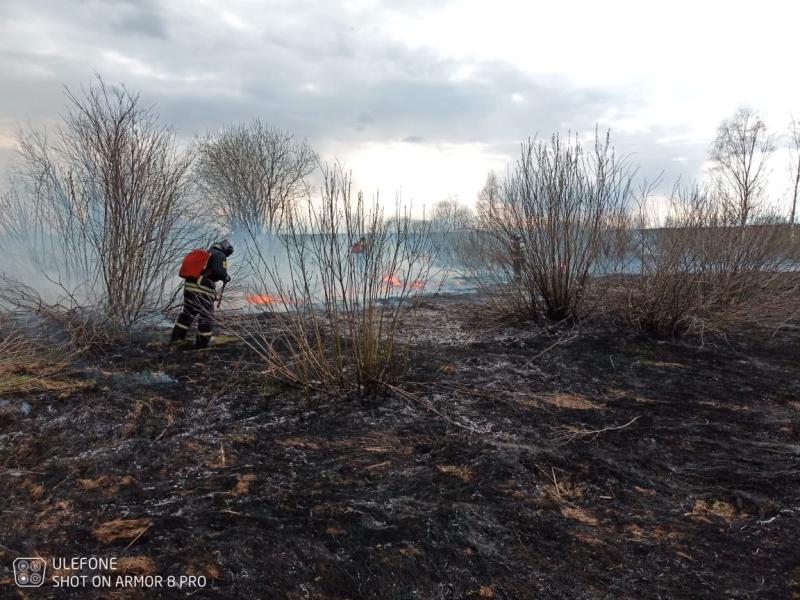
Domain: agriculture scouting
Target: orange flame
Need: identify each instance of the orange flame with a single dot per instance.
(392, 280)
(418, 284)
(264, 299)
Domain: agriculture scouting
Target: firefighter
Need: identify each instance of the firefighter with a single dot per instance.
(199, 294)
(360, 246)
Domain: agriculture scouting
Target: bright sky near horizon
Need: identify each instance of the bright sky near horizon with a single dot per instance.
(418, 96)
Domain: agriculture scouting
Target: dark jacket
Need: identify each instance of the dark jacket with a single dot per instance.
(217, 269)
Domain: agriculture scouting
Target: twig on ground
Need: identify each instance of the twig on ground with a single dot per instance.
(7, 549)
(409, 396)
(550, 347)
(160, 435)
(140, 534)
(557, 493)
(569, 433)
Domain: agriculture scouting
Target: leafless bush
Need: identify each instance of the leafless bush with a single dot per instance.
(27, 363)
(64, 321)
(337, 323)
(17, 220)
(109, 195)
(252, 174)
(704, 271)
(542, 229)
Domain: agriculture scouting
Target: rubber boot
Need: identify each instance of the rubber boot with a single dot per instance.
(201, 341)
(178, 333)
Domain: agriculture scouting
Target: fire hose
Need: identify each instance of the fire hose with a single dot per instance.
(219, 298)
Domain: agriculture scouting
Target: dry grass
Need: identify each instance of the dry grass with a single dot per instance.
(28, 364)
(138, 565)
(705, 510)
(243, 484)
(128, 530)
(463, 473)
(568, 400)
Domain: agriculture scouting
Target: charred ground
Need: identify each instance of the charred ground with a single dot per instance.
(179, 462)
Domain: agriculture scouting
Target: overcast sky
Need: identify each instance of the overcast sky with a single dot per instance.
(421, 96)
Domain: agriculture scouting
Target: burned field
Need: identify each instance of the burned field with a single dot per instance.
(524, 463)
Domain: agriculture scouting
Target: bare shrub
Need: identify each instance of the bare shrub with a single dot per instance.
(336, 327)
(490, 262)
(542, 229)
(109, 193)
(17, 220)
(252, 174)
(65, 320)
(27, 363)
(704, 271)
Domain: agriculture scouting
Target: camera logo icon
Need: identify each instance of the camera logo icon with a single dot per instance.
(29, 572)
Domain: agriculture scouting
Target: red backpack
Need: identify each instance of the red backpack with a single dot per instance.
(194, 264)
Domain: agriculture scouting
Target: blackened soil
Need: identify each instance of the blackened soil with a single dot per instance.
(561, 464)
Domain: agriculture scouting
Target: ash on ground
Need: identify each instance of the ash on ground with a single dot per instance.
(562, 463)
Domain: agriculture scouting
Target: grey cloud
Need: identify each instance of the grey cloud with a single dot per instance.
(147, 23)
(93, 17)
(324, 73)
